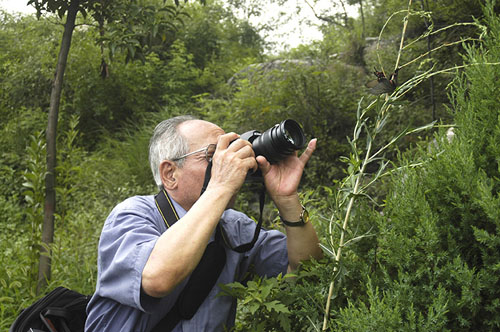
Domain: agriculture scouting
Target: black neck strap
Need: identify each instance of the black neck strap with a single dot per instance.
(247, 246)
(170, 216)
(262, 197)
(203, 277)
(166, 208)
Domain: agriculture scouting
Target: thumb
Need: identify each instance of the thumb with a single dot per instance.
(306, 155)
(264, 165)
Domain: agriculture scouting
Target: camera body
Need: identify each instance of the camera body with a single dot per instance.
(276, 143)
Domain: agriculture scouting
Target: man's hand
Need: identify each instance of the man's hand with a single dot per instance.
(231, 162)
(282, 179)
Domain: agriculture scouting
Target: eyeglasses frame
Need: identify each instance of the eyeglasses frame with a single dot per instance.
(206, 148)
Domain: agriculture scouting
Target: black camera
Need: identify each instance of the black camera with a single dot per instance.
(277, 142)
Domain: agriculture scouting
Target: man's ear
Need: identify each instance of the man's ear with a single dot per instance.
(167, 170)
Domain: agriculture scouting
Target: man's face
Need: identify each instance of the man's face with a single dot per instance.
(190, 177)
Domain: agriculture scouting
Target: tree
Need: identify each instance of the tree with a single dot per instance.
(125, 16)
(71, 8)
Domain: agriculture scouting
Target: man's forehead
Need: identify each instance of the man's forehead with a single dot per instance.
(199, 131)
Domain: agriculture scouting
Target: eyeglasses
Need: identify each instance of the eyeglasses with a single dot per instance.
(209, 152)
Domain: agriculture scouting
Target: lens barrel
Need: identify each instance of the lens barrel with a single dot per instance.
(277, 142)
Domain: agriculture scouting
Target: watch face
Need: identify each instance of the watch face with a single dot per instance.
(305, 216)
(304, 219)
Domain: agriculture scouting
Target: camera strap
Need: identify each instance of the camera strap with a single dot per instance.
(208, 270)
(247, 246)
(262, 198)
(203, 277)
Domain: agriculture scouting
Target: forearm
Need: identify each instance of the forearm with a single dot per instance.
(302, 244)
(302, 241)
(178, 251)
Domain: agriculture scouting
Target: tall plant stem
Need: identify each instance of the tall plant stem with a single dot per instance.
(342, 233)
(405, 24)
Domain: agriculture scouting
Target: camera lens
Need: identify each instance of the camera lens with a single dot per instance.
(279, 141)
(288, 137)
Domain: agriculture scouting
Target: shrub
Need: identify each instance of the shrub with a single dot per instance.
(439, 236)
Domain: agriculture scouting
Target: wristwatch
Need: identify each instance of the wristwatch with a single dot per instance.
(304, 219)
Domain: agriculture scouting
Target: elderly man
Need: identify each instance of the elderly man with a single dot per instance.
(145, 263)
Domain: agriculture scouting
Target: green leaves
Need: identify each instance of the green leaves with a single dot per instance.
(34, 176)
(138, 29)
(260, 300)
(59, 7)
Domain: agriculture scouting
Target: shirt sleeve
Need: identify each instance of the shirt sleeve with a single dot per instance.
(126, 242)
(269, 255)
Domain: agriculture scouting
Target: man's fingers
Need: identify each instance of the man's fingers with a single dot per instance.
(306, 155)
(226, 139)
(252, 163)
(235, 152)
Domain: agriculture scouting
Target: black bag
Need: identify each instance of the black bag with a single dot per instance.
(61, 310)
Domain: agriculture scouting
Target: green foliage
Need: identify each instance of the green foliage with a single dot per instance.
(387, 312)
(320, 96)
(25, 70)
(133, 28)
(20, 235)
(214, 34)
(431, 26)
(433, 263)
(34, 178)
(262, 310)
(439, 226)
(16, 136)
(128, 152)
(180, 76)
(220, 44)
(431, 242)
(424, 257)
(85, 197)
(137, 28)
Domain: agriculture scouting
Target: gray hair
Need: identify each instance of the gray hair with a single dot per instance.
(166, 144)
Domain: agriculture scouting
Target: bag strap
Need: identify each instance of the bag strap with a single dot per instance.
(61, 314)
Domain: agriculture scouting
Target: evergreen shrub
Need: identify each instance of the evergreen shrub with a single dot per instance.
(432, 259)
(439, 238)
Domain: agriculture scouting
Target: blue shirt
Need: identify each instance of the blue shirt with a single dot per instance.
(127, 239)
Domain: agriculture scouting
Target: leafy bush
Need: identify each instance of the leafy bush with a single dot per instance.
(426, 258)
(438, 238)
(432, 260)
(261, 309)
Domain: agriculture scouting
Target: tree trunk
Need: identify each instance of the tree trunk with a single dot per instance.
(51, 135)
(362, 14)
